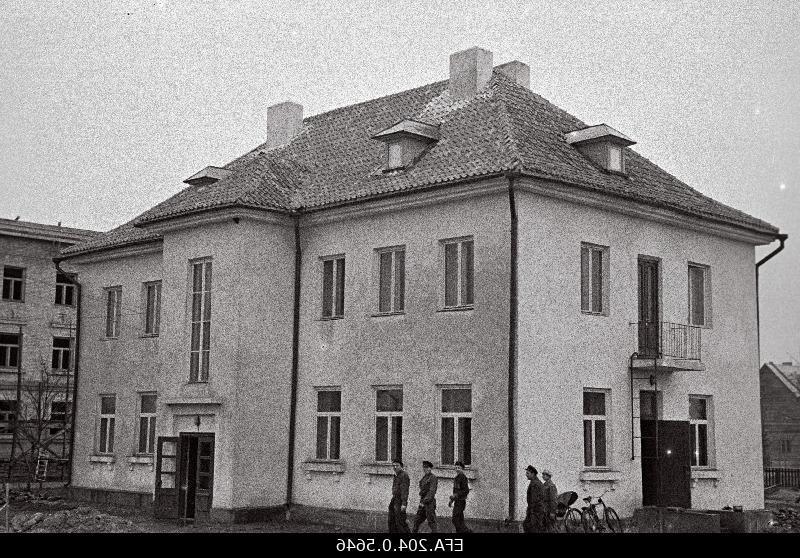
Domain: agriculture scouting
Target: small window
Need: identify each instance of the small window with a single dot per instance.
(329, 418)
(200, 349)
(13, 283)
(700, 430)
(8, 414)
(615, 158)
(389, 424)
(108, 409)
(61, 354)
(65, 290)
(699, 295)
(456, 425)
(391, 280)
(459, 261)
(333, 287)
(147, 423)
(595, 438)
(395, 155)
(594, 279)
(152, 307)
(113, 311)
(9, 350)
(58, 417)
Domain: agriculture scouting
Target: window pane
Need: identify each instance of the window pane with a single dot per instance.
(693, 442)
(335, 421)
(103, 434)
(597, 281)
(56, 361)
(456, 400)
(594, 403)
(110, 305)
(143, 434)
(385, 294)
(149, 403)
(600, 443)
(381, 439)
(588, 450)
(450, 274)
(585, 299)
(340, 287)
(108, 405)
(329, 401)
(447, 441)
(197, 277)
(322, 437)
(194, 367)
(68, 295)
(152, 437)
(111, 422)
(467, 272)
(702, 438)
(59, 294)
(197, 302)
(615, 158)
(397, 437)
(389, 400)
(399, 280)
(697, 408)
(465, 440)
(204, 361)
(327, 287)
(206, 336)
(196, 336)
(207, 285)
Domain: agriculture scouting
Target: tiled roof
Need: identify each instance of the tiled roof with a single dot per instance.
(14, 227)
(789, 374)
(334, 160)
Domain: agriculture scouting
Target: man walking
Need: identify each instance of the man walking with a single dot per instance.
(397, 507)
(459, 499)
(550, 499)
(427, 498)
(534, 517)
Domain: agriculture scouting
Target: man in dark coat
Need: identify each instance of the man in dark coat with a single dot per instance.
(397, 507)
(427, 498)
(534, 518)
(459, 498)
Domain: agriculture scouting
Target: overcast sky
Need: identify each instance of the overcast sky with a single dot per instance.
(105, 107)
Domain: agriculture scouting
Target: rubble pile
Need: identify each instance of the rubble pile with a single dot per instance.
(785, 521)
(77, 520)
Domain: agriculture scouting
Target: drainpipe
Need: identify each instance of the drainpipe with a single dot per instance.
(512, 352)
(298, 260)
(782, 239)
(76, 360)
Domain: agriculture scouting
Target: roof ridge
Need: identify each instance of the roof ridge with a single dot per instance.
(505, 119)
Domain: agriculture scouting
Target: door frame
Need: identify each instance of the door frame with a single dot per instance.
(646, 330)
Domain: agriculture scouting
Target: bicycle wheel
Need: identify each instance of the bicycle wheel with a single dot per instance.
(572, 521)
(612, 520)
(590, 522)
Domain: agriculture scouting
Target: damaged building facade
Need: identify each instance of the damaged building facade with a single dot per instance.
(461, 271)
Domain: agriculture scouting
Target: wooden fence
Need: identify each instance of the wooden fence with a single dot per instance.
(781, 477)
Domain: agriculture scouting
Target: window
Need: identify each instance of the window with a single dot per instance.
(786, 443)
(13, 283)
(329, 418)
(615, 158)
(152, 307)
(333, 287)
(58, 417)
(61, 354)
(456, 425)
(108, 407)
(201, 322)
(8, 414)
(65, 290)
(9, 350)
(595, 440)
(699, 295)
(389, 424)
(699, 430)
(594, 279)
(147, 423)
(391, 280)
(458, 273)
(113, 311)
(395, 154)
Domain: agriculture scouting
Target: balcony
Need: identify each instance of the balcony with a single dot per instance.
(667, 347)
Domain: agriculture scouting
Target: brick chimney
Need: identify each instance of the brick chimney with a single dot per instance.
(284, 122)
(518, 71)
(470, 71)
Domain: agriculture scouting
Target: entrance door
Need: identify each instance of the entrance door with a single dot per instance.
(648, 308)
(666, 463)
(166, 503)
(196, 475)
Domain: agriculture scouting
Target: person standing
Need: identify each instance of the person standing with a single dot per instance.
(550, 498)
(459, 499)
(427, 498)
(397, 507)
(534, 517)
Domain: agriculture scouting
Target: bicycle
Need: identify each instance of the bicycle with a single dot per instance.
(570, 517)
(591, 520)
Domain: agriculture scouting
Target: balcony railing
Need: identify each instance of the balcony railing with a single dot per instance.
(666, 339)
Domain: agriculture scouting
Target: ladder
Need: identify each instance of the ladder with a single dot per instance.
(41, 467)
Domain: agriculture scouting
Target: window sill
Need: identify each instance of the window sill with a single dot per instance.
(109, 338)
(599, 314)
(381, 468)
(450, 472)
(335, 468)
(457, 308)
(109, 459)
(329, 318)
(148, 335)
(140, 459)
(598, 475)
(387, 314)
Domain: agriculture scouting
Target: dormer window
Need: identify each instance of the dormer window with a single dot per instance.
(208, 175)
(406, 141)
(603, 145)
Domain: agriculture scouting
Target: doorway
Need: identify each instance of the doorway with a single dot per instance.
(649, 308)
(666, 463)
(184, 476)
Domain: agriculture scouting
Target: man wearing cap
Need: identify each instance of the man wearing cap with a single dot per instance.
(459, 498)
(397, 507)
(550, 498)
(535, 515)
(427, 498)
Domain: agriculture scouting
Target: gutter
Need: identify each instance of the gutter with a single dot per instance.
(782, 239)
(512, 349)
(76, 360)
(298, 260)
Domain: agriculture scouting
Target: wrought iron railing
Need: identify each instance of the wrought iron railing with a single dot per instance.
(667, 339)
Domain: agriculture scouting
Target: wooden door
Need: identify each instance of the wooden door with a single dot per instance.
(204, 477)
(666, 463)
(648, 308)
(166, 504)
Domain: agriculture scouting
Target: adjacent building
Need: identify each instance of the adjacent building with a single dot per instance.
(780, 414)
(37, 332)
(460, 271)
